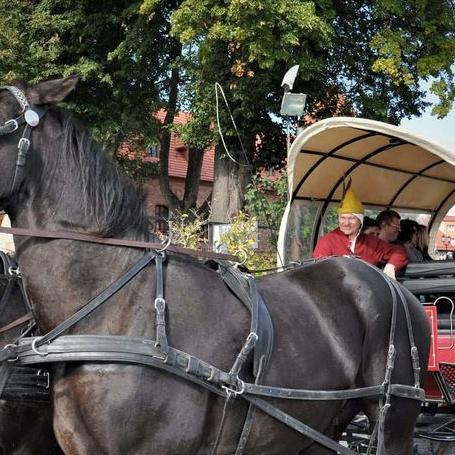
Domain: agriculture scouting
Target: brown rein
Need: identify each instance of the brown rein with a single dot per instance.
(23, 319)
(67, 235)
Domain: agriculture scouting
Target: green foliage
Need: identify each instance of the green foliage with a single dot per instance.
(266, 199)
(331, 220)
(240, 240)
(187, 231)
(373, 52)
(119, 55)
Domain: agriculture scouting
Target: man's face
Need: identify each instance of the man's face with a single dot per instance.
(349, 224)
(390, 231)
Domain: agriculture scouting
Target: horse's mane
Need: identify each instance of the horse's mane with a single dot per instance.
(108, 198)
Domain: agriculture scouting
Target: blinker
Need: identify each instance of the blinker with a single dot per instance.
(31, 117)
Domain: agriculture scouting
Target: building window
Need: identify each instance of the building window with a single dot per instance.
(161, 218)
(154, 151)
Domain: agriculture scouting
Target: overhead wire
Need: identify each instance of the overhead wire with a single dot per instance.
(218, 88)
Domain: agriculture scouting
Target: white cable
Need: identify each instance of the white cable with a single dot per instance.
(218, 87)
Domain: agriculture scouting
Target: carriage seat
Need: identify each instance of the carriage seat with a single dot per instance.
(429, 277)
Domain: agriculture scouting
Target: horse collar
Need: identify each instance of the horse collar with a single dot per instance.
(29, 116)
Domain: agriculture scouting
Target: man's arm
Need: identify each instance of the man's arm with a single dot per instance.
(395, 257)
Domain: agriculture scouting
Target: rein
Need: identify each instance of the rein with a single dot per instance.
(67, 235)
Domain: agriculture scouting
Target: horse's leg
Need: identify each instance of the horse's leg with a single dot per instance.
(399, 425)
(335, 428)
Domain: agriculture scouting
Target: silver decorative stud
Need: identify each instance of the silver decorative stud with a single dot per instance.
(31, 117)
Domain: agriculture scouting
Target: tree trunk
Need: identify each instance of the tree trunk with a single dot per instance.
(193, 178)
(165, 141)
(229, 185)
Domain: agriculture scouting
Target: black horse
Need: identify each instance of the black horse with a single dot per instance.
(25, 422)
(331, 319)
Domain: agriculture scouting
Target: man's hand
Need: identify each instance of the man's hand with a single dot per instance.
(389, 270)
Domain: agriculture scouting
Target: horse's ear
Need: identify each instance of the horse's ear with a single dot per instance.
(51, 91)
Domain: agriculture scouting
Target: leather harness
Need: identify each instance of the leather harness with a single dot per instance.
(23, 383)
(55, 347)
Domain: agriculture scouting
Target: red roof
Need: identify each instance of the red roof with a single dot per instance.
(178, 152)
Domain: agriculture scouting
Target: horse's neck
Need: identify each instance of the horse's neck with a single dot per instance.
(62, 275)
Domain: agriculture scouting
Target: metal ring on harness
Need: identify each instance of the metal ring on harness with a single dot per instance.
(10, 345)
(245, 258)
(162, 250)
(230, 391)
(35, 350)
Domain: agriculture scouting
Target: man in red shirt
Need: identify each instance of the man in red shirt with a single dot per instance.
(347, 239)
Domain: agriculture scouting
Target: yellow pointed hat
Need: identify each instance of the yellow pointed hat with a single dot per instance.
(351, 204)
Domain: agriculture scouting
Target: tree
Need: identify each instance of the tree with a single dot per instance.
(128, 66)
(372, 52)
(136, 57)
(116, 52)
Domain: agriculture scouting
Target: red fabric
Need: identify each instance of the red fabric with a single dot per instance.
(370, 248)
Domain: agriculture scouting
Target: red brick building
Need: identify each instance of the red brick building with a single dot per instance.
(178, 163)
(445, 237)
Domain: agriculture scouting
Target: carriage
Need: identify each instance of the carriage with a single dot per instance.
(151, 351)
(390, 168)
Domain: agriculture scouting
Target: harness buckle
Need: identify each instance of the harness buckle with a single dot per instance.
(23, 143)
(14, 271)
(16, 125)
(45, 374)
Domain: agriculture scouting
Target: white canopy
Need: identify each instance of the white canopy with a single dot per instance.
(389, 166)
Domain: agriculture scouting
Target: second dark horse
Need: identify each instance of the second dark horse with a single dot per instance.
(25, 424)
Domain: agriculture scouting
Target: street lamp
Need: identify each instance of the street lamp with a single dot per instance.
(446, 241)
(292, 104)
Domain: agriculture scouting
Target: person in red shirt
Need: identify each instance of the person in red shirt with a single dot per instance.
(348, 239)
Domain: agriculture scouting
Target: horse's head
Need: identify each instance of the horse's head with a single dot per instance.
(22, 114)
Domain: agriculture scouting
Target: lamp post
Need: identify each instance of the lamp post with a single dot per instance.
(292, 104)
(446, 241)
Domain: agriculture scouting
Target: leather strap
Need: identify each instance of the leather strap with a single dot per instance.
(119, 349)
(67, 235)
(22, 320)
(98, 300)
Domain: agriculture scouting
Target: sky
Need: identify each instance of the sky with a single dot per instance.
(440, 130)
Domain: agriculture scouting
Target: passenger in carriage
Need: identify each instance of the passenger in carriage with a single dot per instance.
(422, 242)
(389, 225)
(348, 239)
(370, 226)
(408, 238)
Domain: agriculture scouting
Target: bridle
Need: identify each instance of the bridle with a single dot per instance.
(29, 116)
